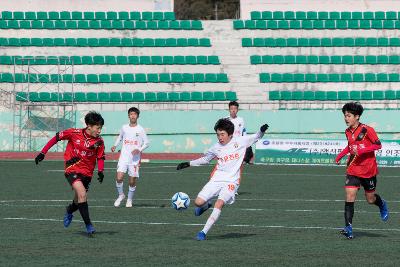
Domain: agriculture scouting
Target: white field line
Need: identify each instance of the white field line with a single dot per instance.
(168, 199)
(163, 207)
(197, 224)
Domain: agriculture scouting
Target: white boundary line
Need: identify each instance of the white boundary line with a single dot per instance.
(197, 224)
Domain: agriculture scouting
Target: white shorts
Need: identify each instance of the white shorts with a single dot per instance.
(133, 169)
(224, 190)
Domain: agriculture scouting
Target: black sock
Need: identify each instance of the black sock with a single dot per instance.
(84, 210)
(348, 213)
(378, 201)
(72, 207)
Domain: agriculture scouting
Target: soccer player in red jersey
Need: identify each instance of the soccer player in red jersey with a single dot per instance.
(84, 148)
(361, 164)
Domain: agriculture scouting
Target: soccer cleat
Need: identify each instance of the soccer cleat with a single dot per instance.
(128, 203)
(90, 230)
(200, 210)
(201, 236)
(384, 211)
(118, 201)
(347, 232)
(68, 219)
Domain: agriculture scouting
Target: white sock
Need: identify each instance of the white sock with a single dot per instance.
(120, 187)
(131, 192)
(211, 220)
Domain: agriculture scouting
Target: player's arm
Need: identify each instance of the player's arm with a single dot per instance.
(376, 143)
(253, 138)
(205, 159)
(100, 163)
(119, 138)
(145, 143)
(46, 148)
(343, 153)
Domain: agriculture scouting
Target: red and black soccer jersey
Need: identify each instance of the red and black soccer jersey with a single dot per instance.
(363, 138)
(82, 151)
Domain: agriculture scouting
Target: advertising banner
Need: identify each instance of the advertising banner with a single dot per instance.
(316, 152)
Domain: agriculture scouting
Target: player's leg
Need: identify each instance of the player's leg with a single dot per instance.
(80, 187)
(248, 155)
(226, 195)
(202, 200)
(71, 208)
(352, 186)
(119, 183)
(373, 198)
(131, 192)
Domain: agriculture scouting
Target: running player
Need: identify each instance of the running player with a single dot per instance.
(361, 165)
(84, 148)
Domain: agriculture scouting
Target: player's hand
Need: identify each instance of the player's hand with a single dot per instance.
(183, 165)
(39, 158)
(264, 127)
(113, 149)
(101, 177)
(135, 152)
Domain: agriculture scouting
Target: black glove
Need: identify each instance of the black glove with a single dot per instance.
(101, 177)
(264, 127)
(183, 165)
(39, 158)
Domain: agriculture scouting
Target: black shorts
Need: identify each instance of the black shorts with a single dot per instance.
(369, 184)
(73, 177)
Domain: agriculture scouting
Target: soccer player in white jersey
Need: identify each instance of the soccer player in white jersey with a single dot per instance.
(134, 141)
(240, 129)
(229, 151)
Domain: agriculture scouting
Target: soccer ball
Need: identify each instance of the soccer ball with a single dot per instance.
(180, 201)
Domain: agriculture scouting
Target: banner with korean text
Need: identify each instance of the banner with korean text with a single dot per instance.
(319, 152)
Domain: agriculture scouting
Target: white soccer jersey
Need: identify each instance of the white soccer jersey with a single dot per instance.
(239, 126)
(132, 138)
(230, 157)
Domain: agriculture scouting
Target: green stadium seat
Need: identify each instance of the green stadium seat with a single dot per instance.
(34, 97)
(265, 77)
(370, 77)
(322, 77)
(196, 96)
(6, 15)
(266, 15)
(140, 78)
(150, 96)
(187, 78)
(167, 60)
(286, 95)
(295, 24)
(135, 15)
(80, 97)
(104, 78)
(378, 95)
(394, 77)
(145, 60)
(128, 78)
(358, 77)
(343, 95)
(309, 96)
(289, 59)
(116, 78)
(276, 77)
(122, 60)
(162, 97)
(355, 95)
(164, 77)
(169, 15)
(176, 78)
(390, 95)
(43, 78)
(191, 60)
(349, 60)
(258, 42)
(92, 97)
(382, 77)
(80, 78)
(18, 15)
(153, 78)
(146, 15)
(247, 42)
(21, 96)
(92, 78)
(204, 42)
(208, 96)
(278, 59)
(366, 95)
(274, 95)
(198, 77)
(301, 15)
(103, 97)
(255, 15)
(185, 96)
(299, 77)
(254, 59)
(298, 95)
(321, 96)
(382, 59)
(219, 96)
(125, 97)
(230, 96)
(310, 77)
(272, 24)
(174, 96)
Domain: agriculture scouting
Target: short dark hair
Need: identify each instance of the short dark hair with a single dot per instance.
(133, 109)
(94, 118)
(233, 103)
(354, 108)
(224, 125)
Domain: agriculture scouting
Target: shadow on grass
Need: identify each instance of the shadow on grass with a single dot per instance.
(233, 235)
(367, 234)
(101, 233)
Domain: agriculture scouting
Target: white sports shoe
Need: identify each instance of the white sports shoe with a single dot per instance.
(118, 201)
(128, 203)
